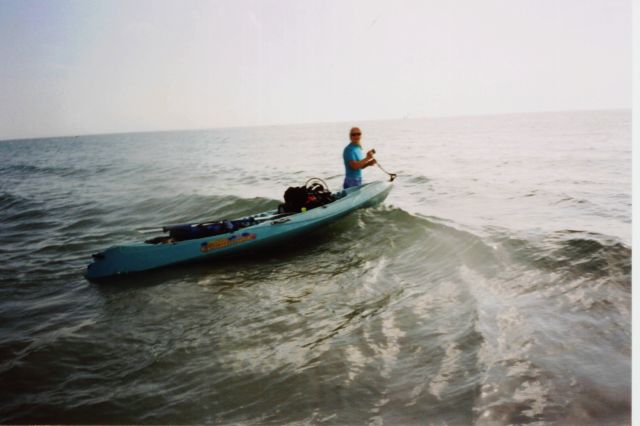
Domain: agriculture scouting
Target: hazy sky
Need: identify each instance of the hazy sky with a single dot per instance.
(77, 67)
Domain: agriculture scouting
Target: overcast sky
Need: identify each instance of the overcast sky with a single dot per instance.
(78, 67)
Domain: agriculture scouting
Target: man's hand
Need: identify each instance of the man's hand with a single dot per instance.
(370, 153)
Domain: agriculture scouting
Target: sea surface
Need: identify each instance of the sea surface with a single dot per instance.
(493, 287)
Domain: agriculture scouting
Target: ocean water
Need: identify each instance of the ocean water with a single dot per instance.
(492, 287)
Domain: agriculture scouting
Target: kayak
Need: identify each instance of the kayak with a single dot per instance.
(266, 229)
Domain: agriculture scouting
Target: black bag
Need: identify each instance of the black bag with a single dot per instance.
(297, 197)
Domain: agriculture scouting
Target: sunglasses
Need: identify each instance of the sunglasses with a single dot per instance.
(356, 134)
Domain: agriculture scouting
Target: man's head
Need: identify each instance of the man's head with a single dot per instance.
(355, 134)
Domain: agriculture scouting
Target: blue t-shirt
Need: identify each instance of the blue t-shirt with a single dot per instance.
(352, 152)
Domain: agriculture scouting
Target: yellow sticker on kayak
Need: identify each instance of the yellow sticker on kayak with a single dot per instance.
(226, 242)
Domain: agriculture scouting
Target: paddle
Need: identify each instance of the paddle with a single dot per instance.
(392, 176)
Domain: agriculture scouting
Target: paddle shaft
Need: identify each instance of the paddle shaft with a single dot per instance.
(392, 176)
(381, 168)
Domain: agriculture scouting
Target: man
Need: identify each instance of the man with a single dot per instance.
(354, 160)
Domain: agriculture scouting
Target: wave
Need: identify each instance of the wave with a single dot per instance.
(573, 252)
(194, 207)
(27, 171)
(11, 201)
(419, 179)
(411, 240)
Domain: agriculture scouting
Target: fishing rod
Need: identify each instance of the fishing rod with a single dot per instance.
(392, 176)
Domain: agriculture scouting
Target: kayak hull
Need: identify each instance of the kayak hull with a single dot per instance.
(125, 259)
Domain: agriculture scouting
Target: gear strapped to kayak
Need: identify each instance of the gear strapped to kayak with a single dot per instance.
(200, 230)
(314, 193)
(192, 242)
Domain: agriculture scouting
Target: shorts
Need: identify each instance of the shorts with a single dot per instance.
(349, 182)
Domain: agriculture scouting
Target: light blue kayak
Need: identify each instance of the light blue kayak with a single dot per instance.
(269, 230)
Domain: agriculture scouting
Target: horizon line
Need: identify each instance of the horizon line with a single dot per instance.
(406, 117)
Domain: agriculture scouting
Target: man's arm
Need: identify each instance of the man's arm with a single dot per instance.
(366, 162)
